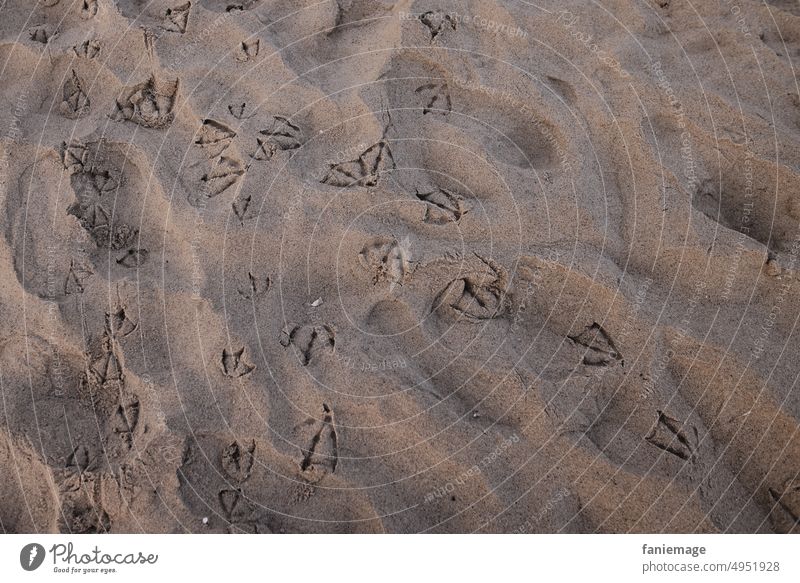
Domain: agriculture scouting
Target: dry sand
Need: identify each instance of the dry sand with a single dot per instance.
(373, 266)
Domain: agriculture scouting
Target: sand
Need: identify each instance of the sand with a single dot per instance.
(415, 266)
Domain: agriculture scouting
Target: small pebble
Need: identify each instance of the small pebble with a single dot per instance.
(205, 520)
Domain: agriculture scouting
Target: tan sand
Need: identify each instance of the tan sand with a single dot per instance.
(373, 266)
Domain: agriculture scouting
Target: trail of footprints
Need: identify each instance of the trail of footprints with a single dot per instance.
(93, 181)
(215, 137)
(149, 104)
(118, 410)
(237, 465)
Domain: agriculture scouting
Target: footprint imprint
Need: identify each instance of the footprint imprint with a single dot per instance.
(117, 236)
(786, 506)
(366, 170)
(215, 137)
(118, 324)
(322, 454)
(80, 459)
(149, 104)
(88, 9)
(105, 367)
(81, 513)
(126, 419)
(240, 514)
(478, 296)
(437, 22)
(309, 340)
(238, 110)
(265, 150)
(248, 50)
(74, 156)
(76, 101)
(224, 173)
(177, 19)
(668, 434)
(39, 34)
(387, 261)
(76, 278)
(443, 206)
(88, 49)
(284, 134)
(237, 461)
(439, 100)
(133, 258)
(255, 287)
(600, 348)
(234, 365)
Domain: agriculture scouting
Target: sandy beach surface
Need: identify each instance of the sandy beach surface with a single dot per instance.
(303, 266)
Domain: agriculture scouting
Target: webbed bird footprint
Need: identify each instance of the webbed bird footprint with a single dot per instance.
(149, 104)
(76, 101)
(177, 19)
(442, 206)
(437, 22)
(668, 434)
(478, 296)
(439, 100)
(248, 50)
(322, 454)
(600, 349)
(387, 261)
(237, 461)
(215, 137)
(234, 365)
(284, 134)
(224, 173)
(366, 170)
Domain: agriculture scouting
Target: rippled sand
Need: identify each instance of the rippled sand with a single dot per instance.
(373, 266)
